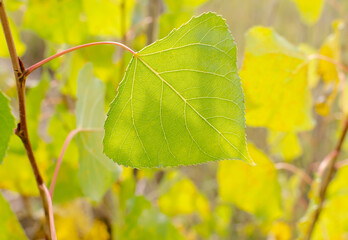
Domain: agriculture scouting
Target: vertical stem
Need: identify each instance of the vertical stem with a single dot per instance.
(22, 129)
(124, 36)
(328, 171)
(154, 11)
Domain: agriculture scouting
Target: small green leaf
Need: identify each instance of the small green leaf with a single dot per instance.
(9, 225)
(97, 173)
(181, 101)
(7, 125)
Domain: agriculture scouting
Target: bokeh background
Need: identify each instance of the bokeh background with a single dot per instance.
(226, 200)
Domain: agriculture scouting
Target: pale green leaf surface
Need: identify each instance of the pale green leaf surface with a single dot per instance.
(68, 184)
(96, 172)
(180, 101)
(9, 225)
(254, 189)
(7, 125)
(275, 83)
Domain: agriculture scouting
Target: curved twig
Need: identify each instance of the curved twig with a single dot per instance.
(291, 168)
(61, 155)
(327, 170)
(51, 216)
(39, 64)
(341, 164)
(328, 59)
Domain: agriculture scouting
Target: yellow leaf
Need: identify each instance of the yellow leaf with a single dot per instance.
(274, 79)
(344, 100)
(99, 231)
(119, 13)
(324, 102)
(331, 49)
(313, 76)
(75, 221)
(15, 172)
(280, 231)
(310, 10)
(254, 189)
(328, 71)
(184, 198)
(284, 144)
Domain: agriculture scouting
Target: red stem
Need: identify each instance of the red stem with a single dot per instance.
(294, 169)
(50, 208)
(60, 159)
(39, 64)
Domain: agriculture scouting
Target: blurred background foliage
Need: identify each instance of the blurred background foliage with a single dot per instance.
(295, 103)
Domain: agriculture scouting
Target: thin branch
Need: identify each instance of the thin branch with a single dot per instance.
(22, 129)
(39, 64)
(50, 208)
(154, 12)
(291, 168)
(327, 174)
(341, 164)
(320, 57)
(9, 40)
(330, 60)
(60, 159)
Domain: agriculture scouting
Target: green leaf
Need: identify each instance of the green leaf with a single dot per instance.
(10, 227)
(96, 172)
(274, 76)
(7, 125)
(254, 189)
(180, 101)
